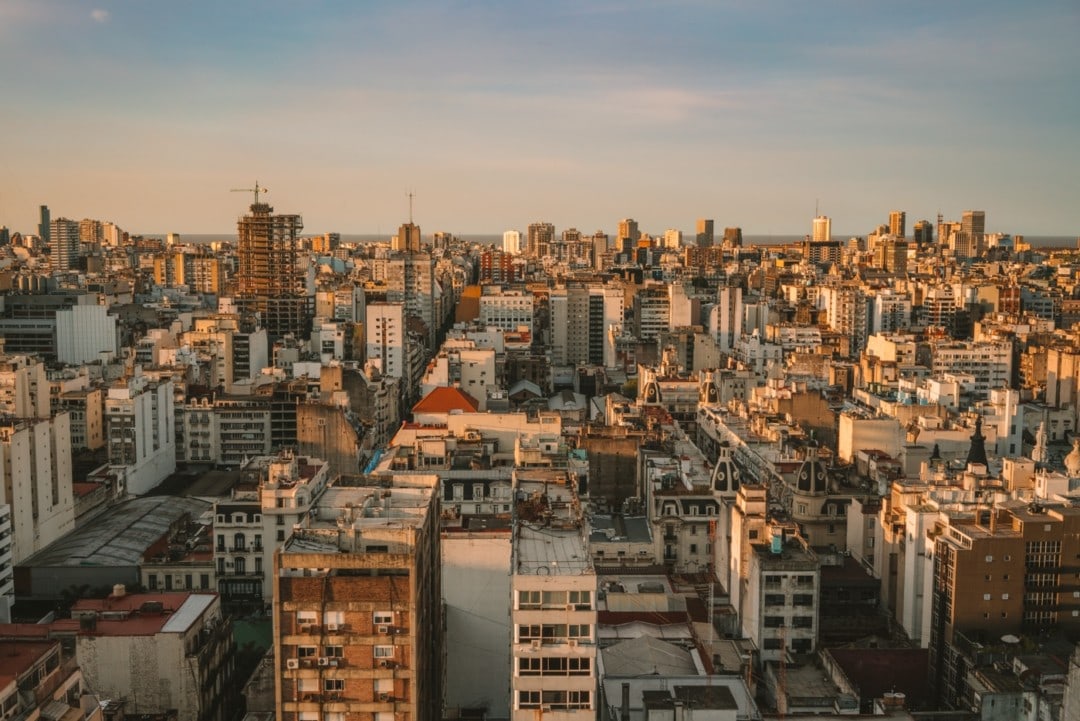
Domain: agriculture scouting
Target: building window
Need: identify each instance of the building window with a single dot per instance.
(383, 651)
(204, 580)
(152, 581)
(382, 618)
(306, 651)
(333, 684)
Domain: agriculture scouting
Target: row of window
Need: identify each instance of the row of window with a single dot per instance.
(580, 600)
(554, 666)
(555, 700)
(154, 583)
(553, 632)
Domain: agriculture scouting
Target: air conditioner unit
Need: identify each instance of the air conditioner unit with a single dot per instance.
(536, 643)
(382, 630)
(333, 662)
(306, 662)
(571, 607)
(292, 663)
(385, 664)
(324, 661)
(572, 643)
(332, 627)
(384, 697)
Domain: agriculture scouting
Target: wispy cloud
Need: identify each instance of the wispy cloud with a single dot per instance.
(99, 15)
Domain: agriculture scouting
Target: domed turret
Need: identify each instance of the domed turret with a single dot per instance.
(650, 387)
(725, 476)
(707, 391)
(812, 477)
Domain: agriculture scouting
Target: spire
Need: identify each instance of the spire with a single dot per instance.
(977, 452)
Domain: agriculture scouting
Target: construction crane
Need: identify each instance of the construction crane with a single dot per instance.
(256, 190)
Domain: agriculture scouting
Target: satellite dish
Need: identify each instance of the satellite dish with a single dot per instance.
(1009, 638)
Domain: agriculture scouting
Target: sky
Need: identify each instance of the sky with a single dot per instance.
(502, 113)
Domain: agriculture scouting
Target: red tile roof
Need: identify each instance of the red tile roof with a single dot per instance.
(444, 400)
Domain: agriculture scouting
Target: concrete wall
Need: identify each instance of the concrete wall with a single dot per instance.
(476, 588)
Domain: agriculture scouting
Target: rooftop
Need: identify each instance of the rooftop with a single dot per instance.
(120, 535)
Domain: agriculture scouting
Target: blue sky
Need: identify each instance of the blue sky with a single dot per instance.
(497, 114)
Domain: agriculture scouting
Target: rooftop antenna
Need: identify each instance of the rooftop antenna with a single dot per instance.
(816, 203)
(256, 190)
(410, 194)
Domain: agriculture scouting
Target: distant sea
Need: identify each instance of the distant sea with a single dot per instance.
(1036, 241)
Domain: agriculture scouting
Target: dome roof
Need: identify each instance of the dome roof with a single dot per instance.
(811, 477)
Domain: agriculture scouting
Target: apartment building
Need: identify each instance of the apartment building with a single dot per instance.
(553, 607)
(358, 608)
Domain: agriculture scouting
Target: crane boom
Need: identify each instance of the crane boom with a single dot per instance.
(256, 190)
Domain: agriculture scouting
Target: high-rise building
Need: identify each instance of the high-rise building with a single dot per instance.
(512, 241)
(897, 223)
(358, 623)
(600, 250)
(822, 229)
(972, 232)
(272, 277)
(672, 238)
(64, 243)
(704, 233)
(732, 237)
(91, 231)
(628, 235)
(386, 338)
(540, 238)
(923, 233)
(407, 239)
(553, 615)
(44, 224)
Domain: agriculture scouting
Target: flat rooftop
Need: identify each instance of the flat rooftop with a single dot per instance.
(551, 551)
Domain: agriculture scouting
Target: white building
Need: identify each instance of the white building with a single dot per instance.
(891, 312)
(553, 616)
(476, 587)
(822, 229)
(512, 241)
(7, 564)
(24, 387)
(36, 482)
(139, 420)
(508, 310)
(385, 331)
(581, 316)
(85, 334)
(782, 594)
(726, 321)
(990, 363)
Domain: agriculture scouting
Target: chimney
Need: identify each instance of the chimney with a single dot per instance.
(624, 713)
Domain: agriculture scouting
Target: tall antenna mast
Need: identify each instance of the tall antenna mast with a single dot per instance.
(411, 194)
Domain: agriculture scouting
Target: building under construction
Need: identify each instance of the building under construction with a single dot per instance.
(271, 278)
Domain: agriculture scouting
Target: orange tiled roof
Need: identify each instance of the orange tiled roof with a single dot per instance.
(444, 400)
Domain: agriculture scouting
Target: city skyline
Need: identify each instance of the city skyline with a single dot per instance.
(498, 116)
